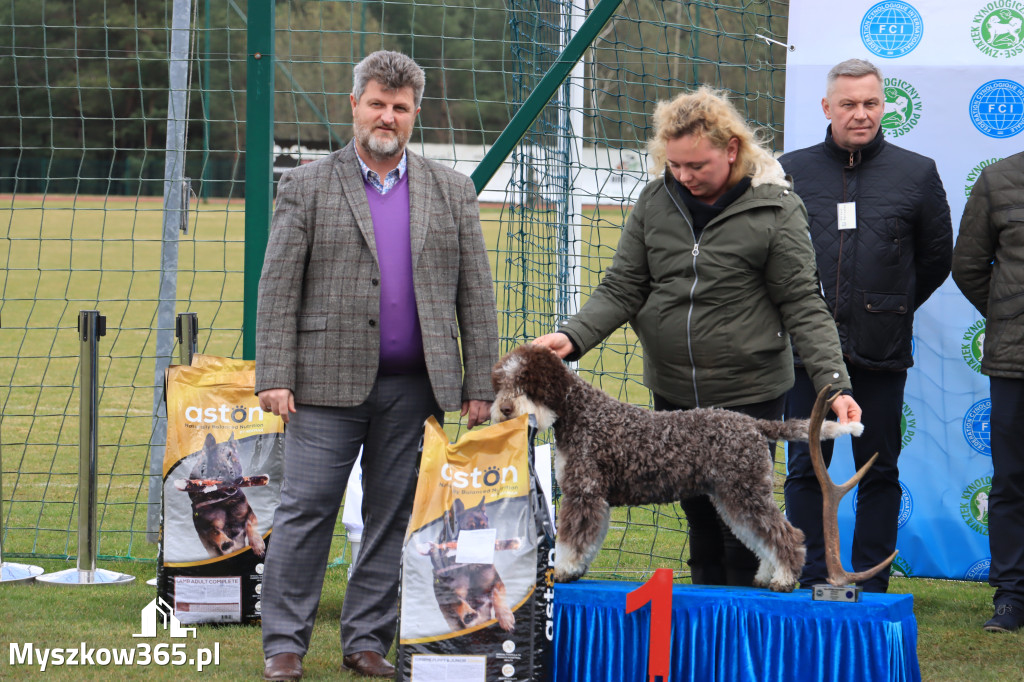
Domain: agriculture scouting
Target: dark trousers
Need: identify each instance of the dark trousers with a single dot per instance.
(880, 396)
(717, 557)
(1006, 500)
(321, 444)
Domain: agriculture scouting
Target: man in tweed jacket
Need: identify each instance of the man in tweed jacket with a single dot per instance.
(375, 270)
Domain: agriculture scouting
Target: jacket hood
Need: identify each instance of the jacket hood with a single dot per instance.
(770, 173)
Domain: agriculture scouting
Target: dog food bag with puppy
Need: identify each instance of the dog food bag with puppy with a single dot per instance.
(222, 474)
(477, 589)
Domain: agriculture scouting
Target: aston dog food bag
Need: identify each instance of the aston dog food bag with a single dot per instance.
(477, 591)
(222, 474)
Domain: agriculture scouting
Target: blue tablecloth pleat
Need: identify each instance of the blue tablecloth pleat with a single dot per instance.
(732, 634)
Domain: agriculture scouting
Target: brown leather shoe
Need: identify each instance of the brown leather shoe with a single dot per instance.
(368, 664)
(283, 667)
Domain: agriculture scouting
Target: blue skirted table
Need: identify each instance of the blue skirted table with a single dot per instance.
(734, 634)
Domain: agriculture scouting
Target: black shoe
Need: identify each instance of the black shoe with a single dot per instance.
(1006, 619)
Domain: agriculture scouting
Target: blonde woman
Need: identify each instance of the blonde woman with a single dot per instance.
(715, 272)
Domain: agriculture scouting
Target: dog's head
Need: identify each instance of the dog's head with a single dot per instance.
(474, 518)
(529, 380)
(219, 461)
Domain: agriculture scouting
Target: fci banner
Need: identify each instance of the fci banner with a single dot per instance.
(954, 91)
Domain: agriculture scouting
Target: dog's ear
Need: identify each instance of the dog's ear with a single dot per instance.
(457, 506)
(483, 499)
(211, 442)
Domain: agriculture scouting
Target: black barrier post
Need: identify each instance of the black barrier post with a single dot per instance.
(91, 326)
(186, 328)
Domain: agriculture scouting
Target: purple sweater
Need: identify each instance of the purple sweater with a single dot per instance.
(401, 341)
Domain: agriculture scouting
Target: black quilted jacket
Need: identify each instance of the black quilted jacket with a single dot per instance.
(988, 263)
(875, 276)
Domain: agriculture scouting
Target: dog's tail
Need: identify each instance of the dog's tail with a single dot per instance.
(796, 429)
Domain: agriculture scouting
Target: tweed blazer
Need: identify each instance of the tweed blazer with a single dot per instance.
(319, 294)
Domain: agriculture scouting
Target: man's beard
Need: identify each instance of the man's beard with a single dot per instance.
(380, 149)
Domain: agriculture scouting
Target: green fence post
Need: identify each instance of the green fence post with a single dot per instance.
(538, 99)
(259, 159)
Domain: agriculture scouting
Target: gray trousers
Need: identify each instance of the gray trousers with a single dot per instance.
(321, 445)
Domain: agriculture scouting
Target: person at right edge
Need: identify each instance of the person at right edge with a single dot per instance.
(988, 266)
(883, 242)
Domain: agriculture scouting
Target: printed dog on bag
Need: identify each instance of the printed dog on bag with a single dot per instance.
(220, 511)
(468, 594)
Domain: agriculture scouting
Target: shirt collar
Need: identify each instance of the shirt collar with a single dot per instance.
(372, 176)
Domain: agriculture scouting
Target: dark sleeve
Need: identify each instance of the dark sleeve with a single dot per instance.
(792, 282)
(933, 238)
(975, 247)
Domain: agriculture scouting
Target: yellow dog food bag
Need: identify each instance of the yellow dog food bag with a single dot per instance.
(222, 472)
(476, 591)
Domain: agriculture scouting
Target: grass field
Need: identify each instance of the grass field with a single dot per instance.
(66, 255)
(951, 645)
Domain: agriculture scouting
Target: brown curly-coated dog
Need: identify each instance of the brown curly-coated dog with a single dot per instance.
(610, 453)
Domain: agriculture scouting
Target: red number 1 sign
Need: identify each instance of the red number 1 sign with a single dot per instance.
(658, 592)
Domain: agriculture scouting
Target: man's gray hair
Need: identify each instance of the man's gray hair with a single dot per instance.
(853, 68)
(393, 70)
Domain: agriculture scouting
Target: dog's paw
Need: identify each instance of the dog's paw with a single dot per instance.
(564, 576)
(782, 586)
(506, 620)
(259, 548)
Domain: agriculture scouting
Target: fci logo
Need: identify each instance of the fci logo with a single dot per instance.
(159, 609)
(891, 28)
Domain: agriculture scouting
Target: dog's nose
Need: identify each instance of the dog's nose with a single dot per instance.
(225, 546)
(507, 409)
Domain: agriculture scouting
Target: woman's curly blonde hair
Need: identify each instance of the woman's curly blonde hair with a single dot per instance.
(707, 112)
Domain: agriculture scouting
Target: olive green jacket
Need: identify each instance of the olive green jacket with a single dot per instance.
(988, 263)
(715, 316)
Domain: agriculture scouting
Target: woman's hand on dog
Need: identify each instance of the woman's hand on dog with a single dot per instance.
(846, 408)
(280, 401)
(555, 341)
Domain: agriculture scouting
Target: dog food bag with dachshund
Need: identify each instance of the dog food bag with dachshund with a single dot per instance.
(222, 474)
(477, 599)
